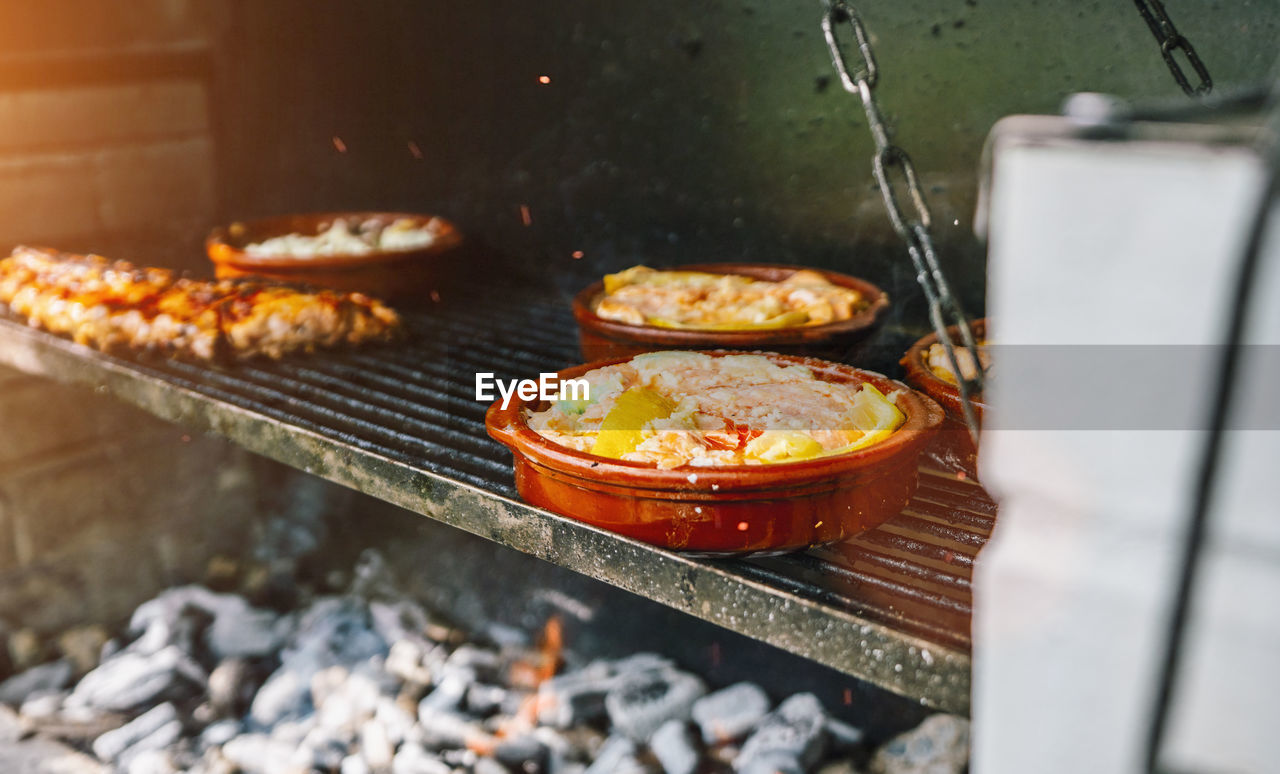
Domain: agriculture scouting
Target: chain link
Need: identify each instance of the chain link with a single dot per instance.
(1170, 41)
(915, 230)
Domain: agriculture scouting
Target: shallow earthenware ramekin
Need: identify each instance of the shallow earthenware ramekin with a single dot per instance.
(600, 338)
(726, 510)
(395, 274)
(953, 448)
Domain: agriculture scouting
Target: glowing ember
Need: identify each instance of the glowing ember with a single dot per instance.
(414, 150)
(525, 217)
(577, 255)
(742, 526)
(339, 145)
(544, 79)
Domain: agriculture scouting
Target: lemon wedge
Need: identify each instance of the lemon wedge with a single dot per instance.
(782, 446)
(623, 427)
(873, 414)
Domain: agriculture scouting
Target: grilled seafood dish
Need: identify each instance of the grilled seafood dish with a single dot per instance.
(695, 300)
(673, 409)
(116, 305)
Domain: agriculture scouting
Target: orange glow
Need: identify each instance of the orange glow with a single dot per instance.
(577, 255)
(339, 145)
(544, 79)
(414, 150)
(848, 696)
(525, 217)
(742, 526)
(435, 296)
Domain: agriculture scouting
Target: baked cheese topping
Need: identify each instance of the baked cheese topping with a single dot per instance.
(704, 301)
(349, 236)
(676, 409)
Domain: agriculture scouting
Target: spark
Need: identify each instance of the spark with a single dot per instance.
(577, 256)
(742, 526)
(544, 79)
(525, 217)
(415, 150)
(339, 145)
(848, 696)
(435, 296)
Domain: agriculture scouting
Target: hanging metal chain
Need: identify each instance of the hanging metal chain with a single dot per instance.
(944, 309)
(1170, 40)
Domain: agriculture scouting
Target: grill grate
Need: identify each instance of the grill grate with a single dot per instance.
(400, 422)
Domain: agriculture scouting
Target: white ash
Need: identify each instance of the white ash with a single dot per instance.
(368, 682)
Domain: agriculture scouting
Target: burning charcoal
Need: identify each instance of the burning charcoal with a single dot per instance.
(82, 646)
(573, 698)
(332, 631)
(325, 755)
(675, 748)
(641, 662)
(152, 762)
(218, 734)
(560, 750)
(771, 763)
(258, 754)
(489, 766)
(376, 745)
(112, 744)
(158, 739)
(354, 764)
(53, 676)
(407, 660)
(731, 712)
(520, 750)
(394, 718)
(231, 687)
(399, 621)
(413, 759)
(136, 680)
(10, 726)
(41, 705)
(795, 731)
(351, 704)
(459, 759)
(293, 731)
(616, 756)
(940, 744)
(442, 728)
(483, 662)
(284, 696)
(451, 689)
(484, 700)
(638, 705)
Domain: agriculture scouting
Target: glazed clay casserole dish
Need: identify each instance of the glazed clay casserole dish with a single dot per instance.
(387, 273)
(726, 510)
(953, 448)
(601, 338)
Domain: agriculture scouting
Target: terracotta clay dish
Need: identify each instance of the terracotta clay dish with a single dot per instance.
(953, 448)
(386, 273)
(601, 338)
(726, 510)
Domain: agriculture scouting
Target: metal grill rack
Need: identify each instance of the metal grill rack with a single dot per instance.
(401, 423)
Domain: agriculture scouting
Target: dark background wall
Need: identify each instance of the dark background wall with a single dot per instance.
(672, 132)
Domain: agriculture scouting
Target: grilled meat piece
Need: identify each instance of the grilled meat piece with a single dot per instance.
(115, 305)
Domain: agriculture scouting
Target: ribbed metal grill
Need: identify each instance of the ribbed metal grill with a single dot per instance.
(413, 403)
